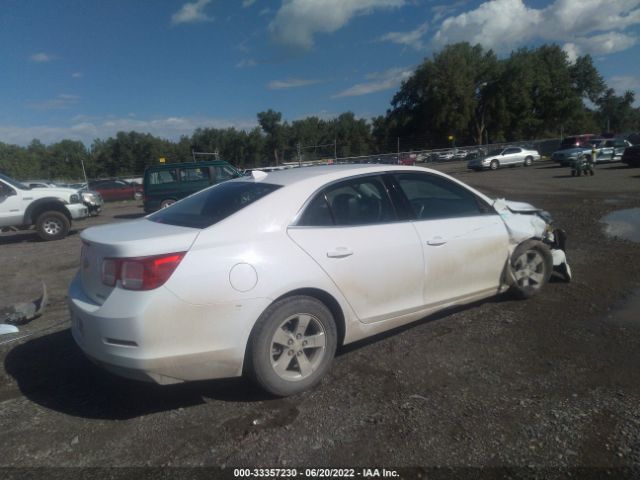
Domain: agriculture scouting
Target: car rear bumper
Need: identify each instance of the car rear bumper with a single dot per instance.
(157, 337)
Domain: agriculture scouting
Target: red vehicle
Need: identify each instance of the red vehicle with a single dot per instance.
(116, 189)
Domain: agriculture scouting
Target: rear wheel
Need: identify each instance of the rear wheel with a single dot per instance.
(52, 225)
(531, 265)
(166, 203)
(494, 165)
(528, 161)
(292, 345)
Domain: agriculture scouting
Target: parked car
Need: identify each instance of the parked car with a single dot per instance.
(508, 156)
(92, 199)
(49, 210)
(445, 156)
(631, 156)
(115, 189)
(269, 274)
(165, 184)
(597, 151)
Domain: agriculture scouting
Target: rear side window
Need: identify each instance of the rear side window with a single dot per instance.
(162, 176)
(212, 205)
(432, 197)
(359, 201)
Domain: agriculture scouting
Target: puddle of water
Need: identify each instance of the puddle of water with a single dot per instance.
(626, 313)
(623, 224)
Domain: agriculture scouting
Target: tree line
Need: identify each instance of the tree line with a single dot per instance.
(463, 95)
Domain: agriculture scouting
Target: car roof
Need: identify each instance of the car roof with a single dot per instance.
(321, 173)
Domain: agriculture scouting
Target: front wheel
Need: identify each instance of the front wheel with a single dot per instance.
(167, 203)
(528, 161)
(531, 265)
(52, 225)
(494, 165)
(292, 345)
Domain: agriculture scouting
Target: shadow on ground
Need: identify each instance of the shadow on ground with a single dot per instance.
(52, 371)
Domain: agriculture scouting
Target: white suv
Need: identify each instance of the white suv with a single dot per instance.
(51, 210)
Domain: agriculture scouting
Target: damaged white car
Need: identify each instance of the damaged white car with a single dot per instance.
(268, 274)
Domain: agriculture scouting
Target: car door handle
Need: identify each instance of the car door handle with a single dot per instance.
(436, 241)
(339, 252)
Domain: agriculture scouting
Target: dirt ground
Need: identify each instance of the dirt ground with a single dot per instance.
(549, 382)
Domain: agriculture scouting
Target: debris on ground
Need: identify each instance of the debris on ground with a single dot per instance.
(21, 313)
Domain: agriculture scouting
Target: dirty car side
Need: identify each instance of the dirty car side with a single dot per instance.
(267, 275)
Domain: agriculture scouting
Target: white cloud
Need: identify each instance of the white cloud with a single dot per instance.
(42, 57)
(583, 26)
(192, 13)
(246, 63)
(378, 82)
(622, 83)
(247, 3)
(290, 83)
(412, 38)
(264, 11)
(60, 102)
(77, 75)
(298, 21)
(86, 129)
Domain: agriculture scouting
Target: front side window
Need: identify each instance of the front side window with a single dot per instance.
(359, 201)
(223, 173)
(432, 197)
(212, 205)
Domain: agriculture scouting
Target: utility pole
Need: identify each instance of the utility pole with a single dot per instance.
(398, 161)
(335, 149)
(299, 147)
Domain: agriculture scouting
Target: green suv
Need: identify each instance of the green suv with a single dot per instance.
(165, 184)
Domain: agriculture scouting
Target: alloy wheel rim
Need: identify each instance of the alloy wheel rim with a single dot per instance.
(529, 269)
(298, 347)
(52, 227)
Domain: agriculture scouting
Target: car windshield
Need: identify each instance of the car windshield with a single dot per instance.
(14, 183)
(207, 207)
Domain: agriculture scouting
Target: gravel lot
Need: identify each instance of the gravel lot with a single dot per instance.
(549, 382)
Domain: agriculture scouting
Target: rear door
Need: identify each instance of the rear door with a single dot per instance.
(464, 241)
(352, 231)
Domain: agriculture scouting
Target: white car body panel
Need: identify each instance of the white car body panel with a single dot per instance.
(376, 267)
(462, 257)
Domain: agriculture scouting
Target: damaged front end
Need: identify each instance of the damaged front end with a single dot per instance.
(525, 222)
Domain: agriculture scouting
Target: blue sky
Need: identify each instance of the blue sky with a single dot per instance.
(85, 69)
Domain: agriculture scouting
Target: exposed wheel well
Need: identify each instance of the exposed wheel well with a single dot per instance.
(47, 206)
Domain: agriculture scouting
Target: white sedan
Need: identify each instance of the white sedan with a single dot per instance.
(509, 156)
(268, 274)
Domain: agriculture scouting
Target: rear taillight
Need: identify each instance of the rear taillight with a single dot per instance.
(142, 273)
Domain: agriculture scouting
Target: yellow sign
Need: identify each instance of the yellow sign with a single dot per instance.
(161, 159)
(450, 137)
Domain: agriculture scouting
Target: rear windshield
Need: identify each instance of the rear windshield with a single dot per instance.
(214, 204)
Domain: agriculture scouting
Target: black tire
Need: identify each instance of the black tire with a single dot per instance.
(279, 341)
(528, 161)
(531, 265)
(167, 202)
(52, 225)
(494, 164)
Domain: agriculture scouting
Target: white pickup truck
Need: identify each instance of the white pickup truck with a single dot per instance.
(50, 210)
